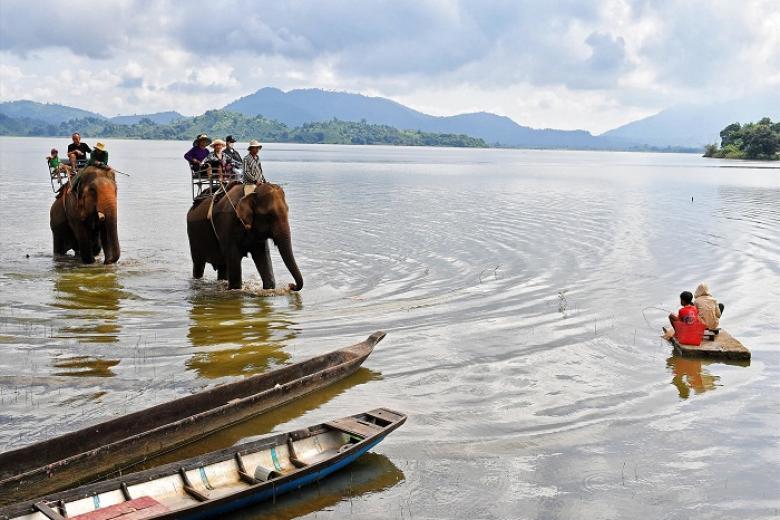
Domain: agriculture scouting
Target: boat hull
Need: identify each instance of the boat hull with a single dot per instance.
(114, 445)
(213, 484)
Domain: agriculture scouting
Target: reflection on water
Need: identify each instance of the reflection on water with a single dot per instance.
(236, 335)
(691, 374)
(371, 473)
(90, 298)
(85, 366)
(267, 422)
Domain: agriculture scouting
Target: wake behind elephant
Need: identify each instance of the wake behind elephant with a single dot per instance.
(222, 233)
(87, 222)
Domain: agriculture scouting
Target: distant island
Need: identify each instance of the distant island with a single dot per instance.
(758, 141)
(222, 122)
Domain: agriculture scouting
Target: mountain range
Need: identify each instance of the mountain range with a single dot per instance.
(308, 105)
(54, 114)
(687, 126)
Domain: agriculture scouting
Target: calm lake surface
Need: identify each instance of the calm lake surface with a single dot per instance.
(523, 293)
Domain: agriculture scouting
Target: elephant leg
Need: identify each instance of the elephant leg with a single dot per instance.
(60, 244)
(261, 256)
(85, 251)
(234, 269)
(198, 266)
(222, 273)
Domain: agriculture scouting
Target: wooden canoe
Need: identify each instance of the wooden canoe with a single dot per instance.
(220, 482)
(723, 346)
(104, 448)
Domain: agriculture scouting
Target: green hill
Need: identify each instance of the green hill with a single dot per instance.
(221, 123)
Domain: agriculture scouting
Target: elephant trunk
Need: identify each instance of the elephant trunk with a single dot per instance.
(109, 238)
(284, 243)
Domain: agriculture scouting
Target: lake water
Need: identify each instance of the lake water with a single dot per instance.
(523, 293)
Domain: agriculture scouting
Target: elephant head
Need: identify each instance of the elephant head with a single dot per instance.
(264, 215)
(98, 209)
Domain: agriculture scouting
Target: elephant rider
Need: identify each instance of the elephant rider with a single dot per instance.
(253, 170)
(98, 157)
(218, 159)
(232, 154)
(196, 155)
(55, 164)
(77, 151)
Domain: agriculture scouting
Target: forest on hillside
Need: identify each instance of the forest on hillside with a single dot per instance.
(244, 128)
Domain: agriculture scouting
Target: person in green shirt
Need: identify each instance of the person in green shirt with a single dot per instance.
(99, 156)
(53, 159)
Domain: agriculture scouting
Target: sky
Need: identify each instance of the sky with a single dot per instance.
(569, 64)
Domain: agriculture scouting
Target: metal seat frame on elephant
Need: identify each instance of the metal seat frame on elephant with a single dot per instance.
(207, 182)
(60, 178)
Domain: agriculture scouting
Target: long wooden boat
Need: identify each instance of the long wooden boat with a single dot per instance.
(723, 346)
(105, 448)
(223, 481)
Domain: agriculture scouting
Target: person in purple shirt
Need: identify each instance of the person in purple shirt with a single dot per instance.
(198, 152)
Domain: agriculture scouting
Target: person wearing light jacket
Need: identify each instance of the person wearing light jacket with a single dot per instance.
(709, 308)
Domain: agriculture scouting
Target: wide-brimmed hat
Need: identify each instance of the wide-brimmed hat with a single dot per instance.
(201, 137)
(216, 142)
(100, 146)
(254, 143)
(230, 139)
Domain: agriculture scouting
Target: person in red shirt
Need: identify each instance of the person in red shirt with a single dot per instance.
(688, 328)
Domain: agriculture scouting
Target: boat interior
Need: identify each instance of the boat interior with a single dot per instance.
(218, 475)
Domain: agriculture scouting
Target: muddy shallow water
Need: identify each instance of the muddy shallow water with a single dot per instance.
(523, 294)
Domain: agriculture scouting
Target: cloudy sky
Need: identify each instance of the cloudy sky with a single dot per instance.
(591, 64)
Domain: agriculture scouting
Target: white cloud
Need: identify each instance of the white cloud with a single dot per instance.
(567, 64)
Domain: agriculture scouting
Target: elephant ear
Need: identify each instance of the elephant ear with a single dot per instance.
(245, 209)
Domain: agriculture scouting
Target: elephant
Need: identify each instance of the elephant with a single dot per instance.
(88, 223)
(242, 223)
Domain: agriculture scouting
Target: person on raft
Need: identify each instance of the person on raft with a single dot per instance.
(708, 307)
(198, 153)
(77, 151)
(686, 325)
(688, 313)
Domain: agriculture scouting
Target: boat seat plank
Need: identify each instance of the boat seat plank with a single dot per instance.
(298, 463)
(354, 426)
(242, 473)
(48, 512)
(385, 415)
(190, 489)
(138, 509)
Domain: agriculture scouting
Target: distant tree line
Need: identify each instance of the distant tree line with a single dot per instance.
(749, 141)
(221, 123)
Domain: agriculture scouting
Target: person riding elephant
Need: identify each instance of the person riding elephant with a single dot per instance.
(87, 222)
(223, 232)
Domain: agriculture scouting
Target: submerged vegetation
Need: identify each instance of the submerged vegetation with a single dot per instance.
(222, 122)
(759, 140)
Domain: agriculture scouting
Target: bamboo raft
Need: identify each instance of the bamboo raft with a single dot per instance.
(108, 447)
(214, 484)
(723, 346)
